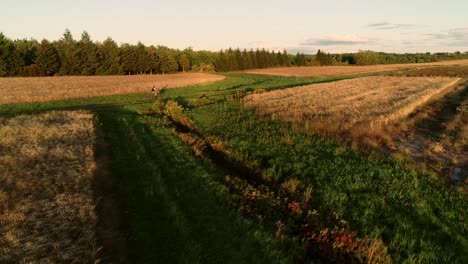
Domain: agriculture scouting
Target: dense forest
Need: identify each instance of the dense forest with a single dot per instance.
(68, 56)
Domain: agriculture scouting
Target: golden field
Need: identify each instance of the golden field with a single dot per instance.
(41, 89)
(328, 71)
(349, 104)
(47, 209)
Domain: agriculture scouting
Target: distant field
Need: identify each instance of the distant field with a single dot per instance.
(452, 71)
(47, 210)
(327, 71)
(345, 105)
(24, 89)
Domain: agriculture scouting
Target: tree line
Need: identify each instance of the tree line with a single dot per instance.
(368, 57)
(68, 56)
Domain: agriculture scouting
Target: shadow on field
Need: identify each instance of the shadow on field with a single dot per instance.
(172, 209)
(107, 207)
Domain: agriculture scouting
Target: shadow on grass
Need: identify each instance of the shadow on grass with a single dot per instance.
(173, 210)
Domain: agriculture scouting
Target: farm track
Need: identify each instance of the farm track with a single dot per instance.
(431, 127)
(445, 111)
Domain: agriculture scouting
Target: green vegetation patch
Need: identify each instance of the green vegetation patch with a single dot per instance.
(416, 215)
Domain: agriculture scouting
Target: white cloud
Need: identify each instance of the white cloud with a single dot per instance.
(388, 25)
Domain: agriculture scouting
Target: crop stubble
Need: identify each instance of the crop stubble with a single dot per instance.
(327, 71)
(42, 89)
(47, 211)
(349, 104)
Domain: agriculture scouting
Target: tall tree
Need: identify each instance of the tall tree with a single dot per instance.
(4, 52)
(108, 58)
(246, 60)
(129, 58)
(143, 59)
(48, 59)
(10, 59)
(286, 59)
(184, 62)
(300, 59)
(86, 55)
(167, 63)
(67, 49)
(221, 63)
(27, 50)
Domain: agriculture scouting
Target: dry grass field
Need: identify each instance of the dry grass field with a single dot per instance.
(452, 71)
(327, 71)
(352, 106)
(47, 212)
(41, 89)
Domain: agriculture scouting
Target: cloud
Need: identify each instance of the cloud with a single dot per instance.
(336, 40)
(381, 24)
(388, 25)
(451, 37)
(451, 34)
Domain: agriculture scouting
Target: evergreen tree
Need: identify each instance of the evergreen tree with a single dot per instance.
(253, 59)
(10, 59)
(286, 59)
(129, 58)
(3, 54)
(221, 62)
(246, 60)
(300, 59)
(27, 50)
(69, 59)
(319, 57)
(167, 63)
(238, 59)
(260, 63)
(232, 63)
(108, 58)
(86, 55)
(153, 59)
(48, 59)
(143, 60)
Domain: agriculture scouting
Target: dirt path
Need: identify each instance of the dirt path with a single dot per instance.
(435, 138)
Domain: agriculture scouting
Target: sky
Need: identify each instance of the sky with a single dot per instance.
(295, 25)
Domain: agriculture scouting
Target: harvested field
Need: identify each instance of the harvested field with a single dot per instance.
(452, 71)
(349, 105)
(42, 89)
(327, 71)
(47, 211)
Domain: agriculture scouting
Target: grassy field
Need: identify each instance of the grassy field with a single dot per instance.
(199, 178)
(46, 198)
(356, 106)
(43, 89)
(329, 71)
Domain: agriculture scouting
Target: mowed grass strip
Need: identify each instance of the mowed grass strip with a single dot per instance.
(327, 71)
(344, 105)
(46, 199)
(42, 89)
